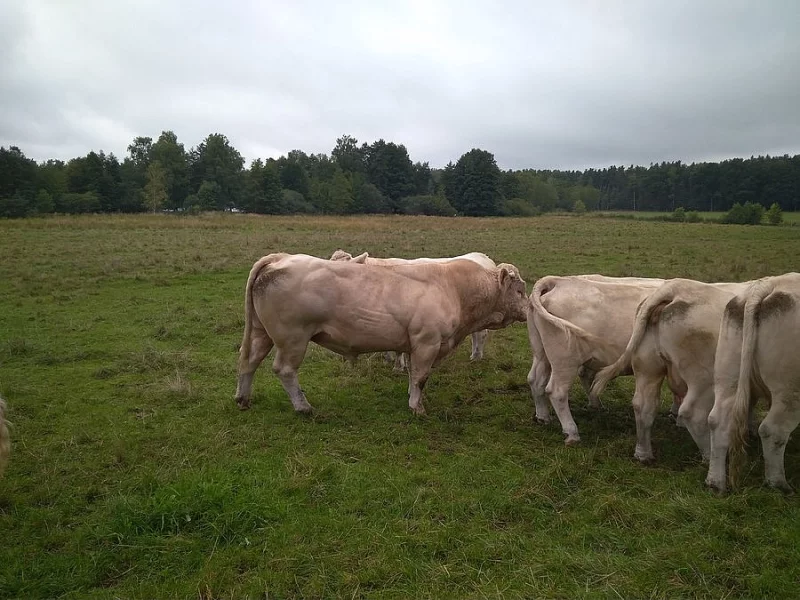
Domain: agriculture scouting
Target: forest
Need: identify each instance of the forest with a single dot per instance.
(161, 175)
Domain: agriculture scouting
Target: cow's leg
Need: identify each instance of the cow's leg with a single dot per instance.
(249, 358)
(478, 342)
(676, 405)
(586, 376)
(287, 360)
(402, 362)
(693, 414)
(558, 390)
(782, 418)
(646, 399)
(538, 377)
(719, 425)
(421, 361)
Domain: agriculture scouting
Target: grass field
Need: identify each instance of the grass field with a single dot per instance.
(134, 475)
(789, 218)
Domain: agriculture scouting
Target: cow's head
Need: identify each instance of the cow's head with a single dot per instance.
(341, 255)
(513, 300)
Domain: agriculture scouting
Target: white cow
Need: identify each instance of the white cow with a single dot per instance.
(5, 438)
(674, 338)
(478, 338)
(423, 309)
(757, 356)
(576, 326)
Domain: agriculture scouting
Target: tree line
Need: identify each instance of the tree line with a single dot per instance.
(371, 178)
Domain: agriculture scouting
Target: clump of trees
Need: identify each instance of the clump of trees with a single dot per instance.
(380, 177)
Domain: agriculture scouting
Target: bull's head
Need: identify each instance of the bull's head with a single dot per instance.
(513, 295)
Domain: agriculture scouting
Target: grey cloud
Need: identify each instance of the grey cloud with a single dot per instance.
(547, 85)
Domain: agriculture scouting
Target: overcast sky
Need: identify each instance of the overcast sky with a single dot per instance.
(557, 84)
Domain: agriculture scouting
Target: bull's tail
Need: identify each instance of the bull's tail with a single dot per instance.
(658, 299)
(5, 438)
(249, 305)
(570, 330)
(741, 404)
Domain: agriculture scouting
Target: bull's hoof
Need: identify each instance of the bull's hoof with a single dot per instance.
(419, 411)
(541, 420)
(718, 488)
(781, 486)
(645, 459)
(307, 409)
(572, 441)
(243, 403)
(476, 357)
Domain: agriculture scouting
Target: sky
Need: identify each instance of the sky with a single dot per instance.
(564, 84)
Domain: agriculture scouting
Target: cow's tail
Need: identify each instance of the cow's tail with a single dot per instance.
(570, 330)
(647, 308)
(741, 404)
(5, 438)
(249, 306)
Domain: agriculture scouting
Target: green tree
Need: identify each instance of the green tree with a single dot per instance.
(18, 178)
(293, 173)
(579, 207)
(473, 184)
(679, 215)
(348, 155)
(155, 188)
(216, 160)
(174, 161)
(44, 202)
(207, 196)
(263, 188)
(389, 168)
(775, 214)
(370, 200)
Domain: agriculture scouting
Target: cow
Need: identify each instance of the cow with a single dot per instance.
(425, 310)
(757, 357)
(674, 337)
(5, 438)
(576, 326)
(478, 337)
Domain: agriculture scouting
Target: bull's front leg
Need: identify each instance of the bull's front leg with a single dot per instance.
(421, 362)
(478, 343)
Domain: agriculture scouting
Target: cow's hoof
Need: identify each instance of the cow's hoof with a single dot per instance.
(718, 488)
(645, 459)
(243, 403)
(541, 420)
(781, 486)
(572, 441)
(476, 357)
(304, 410)
(419, 411)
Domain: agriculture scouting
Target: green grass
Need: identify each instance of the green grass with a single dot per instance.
(133, 474)
(789, 218)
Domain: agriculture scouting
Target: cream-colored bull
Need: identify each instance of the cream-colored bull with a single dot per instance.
(425, 310)
(757, 357)
(674, 338)
(576, 326)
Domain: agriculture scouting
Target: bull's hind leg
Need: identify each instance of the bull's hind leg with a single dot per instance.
(288, 359)
(558, 389)
(250, 356)
(646, 398)
(537, 379)
(783, 417)
(693, 414)
(420, 363)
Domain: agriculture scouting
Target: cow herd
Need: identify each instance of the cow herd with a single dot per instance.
(719, 346)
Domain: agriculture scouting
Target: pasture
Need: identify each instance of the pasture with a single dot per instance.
(134, 475)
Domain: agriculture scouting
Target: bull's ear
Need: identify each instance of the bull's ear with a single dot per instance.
(361, 258)
(340, 255)
(507, 275)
